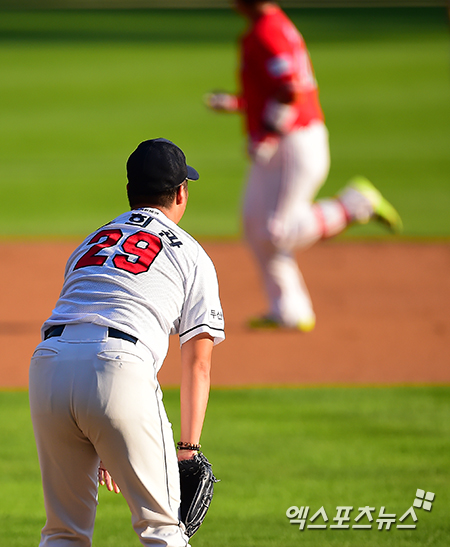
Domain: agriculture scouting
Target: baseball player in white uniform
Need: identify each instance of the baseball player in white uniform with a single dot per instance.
(94, 393)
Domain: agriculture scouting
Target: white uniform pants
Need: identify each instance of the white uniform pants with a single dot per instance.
(91, 398)
(279, 216)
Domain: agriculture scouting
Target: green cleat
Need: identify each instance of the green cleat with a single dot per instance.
(383, 211)
(268, 323)
(307, 326)
(263, 322)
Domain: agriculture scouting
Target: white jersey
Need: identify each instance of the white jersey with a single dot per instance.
(144, 275)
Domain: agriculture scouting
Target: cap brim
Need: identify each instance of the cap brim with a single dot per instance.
(192, 173)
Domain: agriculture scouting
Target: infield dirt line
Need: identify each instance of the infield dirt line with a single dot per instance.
(382, 315)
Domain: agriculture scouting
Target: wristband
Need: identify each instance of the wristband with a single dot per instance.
(188, 446)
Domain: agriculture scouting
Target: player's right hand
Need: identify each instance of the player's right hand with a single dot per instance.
(263, 151)
(221, 102)
(104, 478)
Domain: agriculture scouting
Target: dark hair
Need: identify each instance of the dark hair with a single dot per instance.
(161, 199)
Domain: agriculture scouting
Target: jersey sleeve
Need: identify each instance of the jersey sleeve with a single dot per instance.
(202, 310)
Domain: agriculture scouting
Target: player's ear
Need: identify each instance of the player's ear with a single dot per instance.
(182, 193)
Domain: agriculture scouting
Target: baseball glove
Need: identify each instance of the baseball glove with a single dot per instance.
(197, 486)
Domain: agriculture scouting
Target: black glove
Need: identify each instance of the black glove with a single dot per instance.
(197, 486)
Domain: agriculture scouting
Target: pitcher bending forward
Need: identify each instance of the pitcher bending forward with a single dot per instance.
(94, 393)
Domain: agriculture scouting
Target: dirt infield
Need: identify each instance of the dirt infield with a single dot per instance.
(382, 308)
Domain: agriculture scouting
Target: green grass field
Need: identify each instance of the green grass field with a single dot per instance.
(272, 449)
(81, 89)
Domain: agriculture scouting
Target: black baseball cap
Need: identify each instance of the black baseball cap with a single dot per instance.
(156, 166)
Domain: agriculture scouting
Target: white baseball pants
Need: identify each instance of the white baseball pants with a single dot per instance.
(91, 398)
(280, 216)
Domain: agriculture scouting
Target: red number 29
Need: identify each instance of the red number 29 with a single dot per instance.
(142, 245)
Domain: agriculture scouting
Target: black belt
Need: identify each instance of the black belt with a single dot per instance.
(57, 330)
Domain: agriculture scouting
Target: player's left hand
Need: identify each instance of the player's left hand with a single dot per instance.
(105, 479)
(197, 488)
(186, 454)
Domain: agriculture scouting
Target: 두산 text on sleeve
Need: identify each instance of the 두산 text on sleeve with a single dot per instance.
(202, 310)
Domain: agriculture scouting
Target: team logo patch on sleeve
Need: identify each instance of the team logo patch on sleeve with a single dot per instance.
(279, 66)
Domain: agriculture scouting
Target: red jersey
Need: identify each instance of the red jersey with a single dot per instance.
(274, 55)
